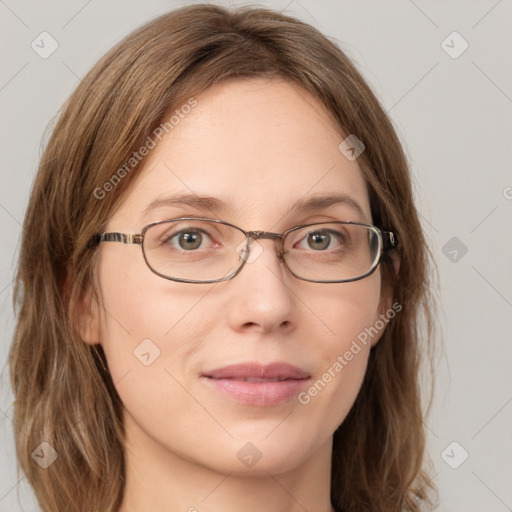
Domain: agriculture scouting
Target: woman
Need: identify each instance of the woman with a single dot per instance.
(220, 283)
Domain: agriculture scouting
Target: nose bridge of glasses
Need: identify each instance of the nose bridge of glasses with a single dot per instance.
(266, 235)
(255, 235)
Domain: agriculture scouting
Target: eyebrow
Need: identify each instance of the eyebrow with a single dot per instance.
(322, 202)
(217, 206)
(206, 203)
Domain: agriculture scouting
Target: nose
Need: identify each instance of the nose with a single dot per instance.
(261, 294)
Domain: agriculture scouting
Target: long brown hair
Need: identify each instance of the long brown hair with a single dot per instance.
(64, 394)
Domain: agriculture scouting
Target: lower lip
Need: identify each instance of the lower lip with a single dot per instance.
(258, 393)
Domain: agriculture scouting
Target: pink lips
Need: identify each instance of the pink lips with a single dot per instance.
(254, 384)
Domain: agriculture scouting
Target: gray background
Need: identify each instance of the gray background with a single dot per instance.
(454, 118)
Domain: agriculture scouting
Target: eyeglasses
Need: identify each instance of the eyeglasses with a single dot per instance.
(201, 250)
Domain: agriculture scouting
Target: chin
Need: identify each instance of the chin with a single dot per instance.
(260, 455)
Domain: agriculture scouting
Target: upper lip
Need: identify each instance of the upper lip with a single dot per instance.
(278, 370)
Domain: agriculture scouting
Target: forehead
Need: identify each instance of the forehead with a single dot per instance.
(257, 145)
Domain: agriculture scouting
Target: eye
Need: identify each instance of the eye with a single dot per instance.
(321, 240)
(187, 239)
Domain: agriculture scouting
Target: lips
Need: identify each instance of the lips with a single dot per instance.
(254, 372)
(255, 384)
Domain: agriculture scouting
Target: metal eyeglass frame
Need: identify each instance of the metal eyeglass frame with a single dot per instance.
(387, 241)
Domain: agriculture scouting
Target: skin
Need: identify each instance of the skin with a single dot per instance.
(260, 144)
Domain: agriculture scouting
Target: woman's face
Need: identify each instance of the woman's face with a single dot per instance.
(258, 146)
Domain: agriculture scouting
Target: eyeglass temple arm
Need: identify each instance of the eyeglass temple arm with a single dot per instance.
(117, 237)
(390, 240)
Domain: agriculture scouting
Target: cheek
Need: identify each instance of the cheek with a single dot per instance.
(349, 315)
(146, 321)
(334, 388)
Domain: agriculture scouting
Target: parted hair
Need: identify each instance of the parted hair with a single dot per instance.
(63, 392)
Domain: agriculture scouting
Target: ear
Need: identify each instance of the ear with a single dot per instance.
(84, 310)
(88, 319)
(395, 259)
(386, 309)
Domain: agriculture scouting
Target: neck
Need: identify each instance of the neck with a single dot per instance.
(158, 480)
